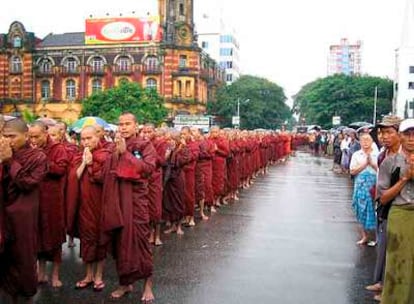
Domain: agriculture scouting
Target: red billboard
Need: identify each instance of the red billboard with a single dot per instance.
(122, 30)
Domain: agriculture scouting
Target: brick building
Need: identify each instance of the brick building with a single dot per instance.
(51, 76)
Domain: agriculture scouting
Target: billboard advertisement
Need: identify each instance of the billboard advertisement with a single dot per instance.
(122, 30)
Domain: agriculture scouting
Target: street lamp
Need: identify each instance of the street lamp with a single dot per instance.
(238, 108)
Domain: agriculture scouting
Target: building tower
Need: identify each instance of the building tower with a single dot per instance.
(177, 19)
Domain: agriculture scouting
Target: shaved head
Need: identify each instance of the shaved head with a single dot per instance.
(89, 137)
(41, 125)
(92, 129)
(16, 125)
(55, 133)
(129, 116)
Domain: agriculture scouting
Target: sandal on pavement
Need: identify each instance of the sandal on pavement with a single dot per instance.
(98, 286)
(83, 284)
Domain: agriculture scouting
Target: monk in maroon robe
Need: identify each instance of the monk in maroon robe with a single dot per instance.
(126, 212)
(204, 172)
(23, 169)
(190, 173)
(85, 185)
(222, 150)
(155, 185)
(173, 201)
(52, 230)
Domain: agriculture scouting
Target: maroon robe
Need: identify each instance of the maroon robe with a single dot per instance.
(85, 201)
(219, 166)
(2, 219)
(173, 202)
(155, 185)
(125, 209)
(204, 173)
(20, 179)
(52, 226)
(190, 175)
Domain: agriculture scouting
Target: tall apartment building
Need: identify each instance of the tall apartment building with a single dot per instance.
(219, 40)
(345, 58)
(403, 105)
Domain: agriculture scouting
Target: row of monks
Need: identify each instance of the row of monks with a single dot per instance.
(114, 194)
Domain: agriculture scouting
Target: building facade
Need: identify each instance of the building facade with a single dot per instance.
(345, 58)
(403, 105)
(52, 76)
(219, 40)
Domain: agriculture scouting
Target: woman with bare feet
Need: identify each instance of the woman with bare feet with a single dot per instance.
(364, 168)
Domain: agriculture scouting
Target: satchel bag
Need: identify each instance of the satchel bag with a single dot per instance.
(383, 210)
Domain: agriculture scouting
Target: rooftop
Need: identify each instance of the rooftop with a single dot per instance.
(66, 39)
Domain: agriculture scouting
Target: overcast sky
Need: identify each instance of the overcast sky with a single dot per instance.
(284, 40)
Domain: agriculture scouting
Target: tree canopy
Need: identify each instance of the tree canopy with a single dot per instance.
(350, 97)
(145, 104)
(262, 104)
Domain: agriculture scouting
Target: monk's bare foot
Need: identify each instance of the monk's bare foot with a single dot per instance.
(42, 278)
(152, 238)
(147, 295)
(213, 209)
(158, 242)
(56, 283)
(191, 223)
(180, 230)
(170, 230)
(121, 291)
(204, 217)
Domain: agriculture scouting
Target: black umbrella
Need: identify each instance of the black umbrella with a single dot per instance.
(359, 124)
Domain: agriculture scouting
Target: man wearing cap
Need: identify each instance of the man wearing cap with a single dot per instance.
(399, 271)
(388, 129)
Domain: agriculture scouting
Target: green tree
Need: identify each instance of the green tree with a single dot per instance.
(146, 104)
(350, 97)
(262, 104)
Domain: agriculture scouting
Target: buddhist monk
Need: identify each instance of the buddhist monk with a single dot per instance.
(126, 212)
(102, 137)
(2, 222)
(52, 230)
(204, 172)
(155, 185)
(173, 202)
(222, 150)
(190, 172)
(86, 179)
(71, 150)
(23, 169)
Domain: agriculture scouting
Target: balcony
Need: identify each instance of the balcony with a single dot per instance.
(96, 71)
(16, 71)
(186, 71)
(122, 70)
(70, 71)
(205, 74)
(151, 70)
(44, 72)
(184, 100)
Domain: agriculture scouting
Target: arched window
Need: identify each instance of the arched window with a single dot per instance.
(124, 63)
(151, 84)
(45, 89)
(96, 85)
(151, 63)
(70, 89)
(16, 64)
(71, 64)
(97, 64)
(45, 66)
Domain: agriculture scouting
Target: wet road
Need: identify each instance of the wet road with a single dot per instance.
(291, 239)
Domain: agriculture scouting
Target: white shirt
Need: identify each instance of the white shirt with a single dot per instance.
(359, 158)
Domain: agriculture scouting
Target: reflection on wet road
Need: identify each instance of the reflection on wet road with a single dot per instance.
(291, 239)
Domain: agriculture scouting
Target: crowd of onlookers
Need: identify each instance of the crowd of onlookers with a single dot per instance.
(380, 162)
